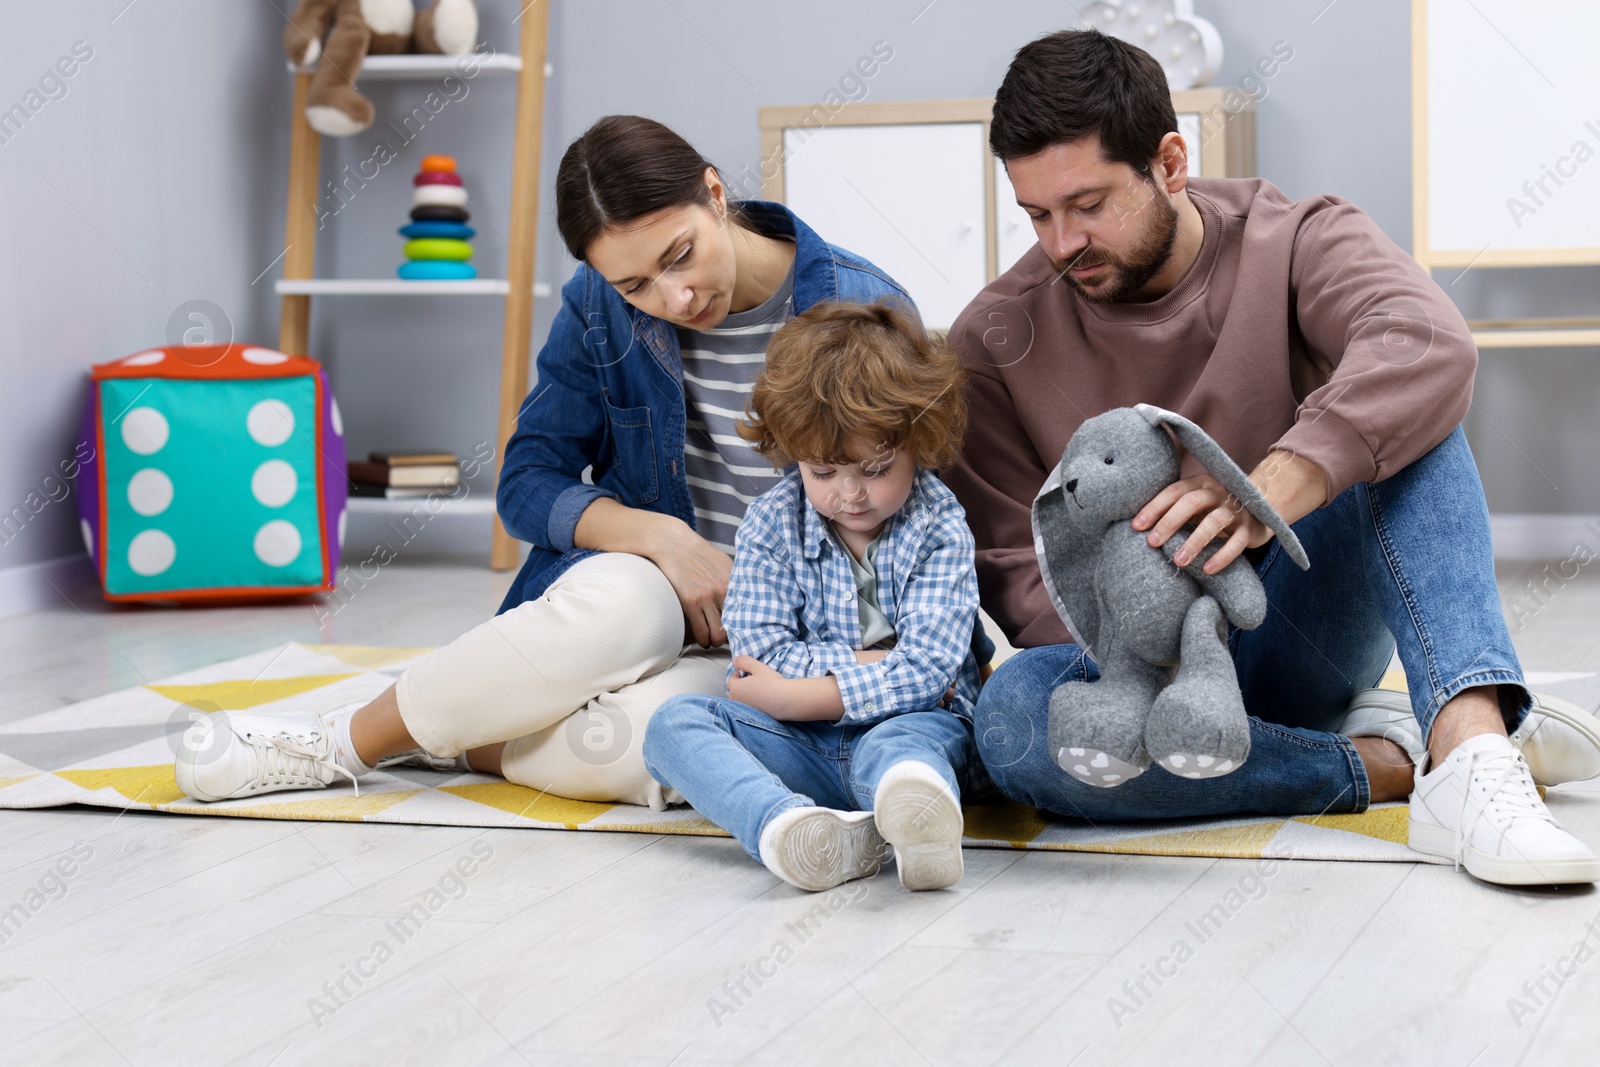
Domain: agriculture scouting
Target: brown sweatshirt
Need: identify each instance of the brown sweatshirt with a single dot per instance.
(1300, 326)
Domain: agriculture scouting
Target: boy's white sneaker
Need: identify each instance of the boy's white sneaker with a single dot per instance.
(819, 848)
(1560, 741)
(1481, 809)
(919, 815)
(241, 754)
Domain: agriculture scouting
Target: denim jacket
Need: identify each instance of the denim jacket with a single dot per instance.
(609, 398)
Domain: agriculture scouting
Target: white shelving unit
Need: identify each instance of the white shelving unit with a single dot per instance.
(371, 505)
(299, 283)
(400, 68)
(397, 287)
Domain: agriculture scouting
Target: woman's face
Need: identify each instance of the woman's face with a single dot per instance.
(676, 264)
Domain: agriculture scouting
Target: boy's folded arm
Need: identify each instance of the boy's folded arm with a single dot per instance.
(933, 635)
(762, 616)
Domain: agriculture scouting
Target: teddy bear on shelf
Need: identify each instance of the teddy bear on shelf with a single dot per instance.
(355, 28)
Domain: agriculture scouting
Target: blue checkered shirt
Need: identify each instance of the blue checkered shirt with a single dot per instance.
(792, 601)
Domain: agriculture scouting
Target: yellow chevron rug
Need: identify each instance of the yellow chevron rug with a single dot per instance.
(117, 751)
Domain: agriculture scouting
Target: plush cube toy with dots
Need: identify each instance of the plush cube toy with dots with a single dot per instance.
(216, 472)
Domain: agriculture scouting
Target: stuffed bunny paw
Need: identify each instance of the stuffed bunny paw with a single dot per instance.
(1198, 727)
(1093, 767)
(1188, 765)
(1097, 733)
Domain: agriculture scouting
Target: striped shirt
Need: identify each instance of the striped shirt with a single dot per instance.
(720, 367)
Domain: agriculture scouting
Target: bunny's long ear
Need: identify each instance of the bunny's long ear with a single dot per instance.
(1226, 471)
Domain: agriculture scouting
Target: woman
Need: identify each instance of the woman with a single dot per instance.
(651, 358)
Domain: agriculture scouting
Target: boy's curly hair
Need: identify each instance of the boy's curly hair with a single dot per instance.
(840, 371)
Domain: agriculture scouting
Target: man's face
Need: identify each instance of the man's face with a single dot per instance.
(1107, 228)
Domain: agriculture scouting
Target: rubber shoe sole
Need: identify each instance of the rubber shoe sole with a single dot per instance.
(918, 814)
(1432, 839)
(819, 848)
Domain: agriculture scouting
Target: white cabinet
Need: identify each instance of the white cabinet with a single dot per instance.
(1013, 227)
(908, 197)
(911, 185)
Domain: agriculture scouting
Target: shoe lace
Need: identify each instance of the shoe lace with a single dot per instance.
(283, 759)
(1503, 788)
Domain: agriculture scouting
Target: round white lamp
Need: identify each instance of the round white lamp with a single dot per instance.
(1188, 47)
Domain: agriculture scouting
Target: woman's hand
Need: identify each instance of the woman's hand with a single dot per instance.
(699, 574)
(697, 570)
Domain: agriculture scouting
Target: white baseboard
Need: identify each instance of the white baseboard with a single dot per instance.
(35, 585)
(1520, 536)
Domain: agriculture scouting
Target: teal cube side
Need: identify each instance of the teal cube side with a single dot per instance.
(210, 485)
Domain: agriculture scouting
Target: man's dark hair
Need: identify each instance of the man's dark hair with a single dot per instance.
(1076, 82)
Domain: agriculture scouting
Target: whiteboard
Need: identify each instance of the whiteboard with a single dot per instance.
(1513, 131)
(908, 197)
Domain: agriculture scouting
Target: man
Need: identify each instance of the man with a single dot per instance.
(1315, 351)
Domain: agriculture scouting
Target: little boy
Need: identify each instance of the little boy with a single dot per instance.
(850, 615)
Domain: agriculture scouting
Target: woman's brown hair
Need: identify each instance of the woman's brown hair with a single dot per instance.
(868, 372)
(623, 168)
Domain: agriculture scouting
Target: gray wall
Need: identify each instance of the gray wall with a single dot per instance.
(155, 180)
(159, 179)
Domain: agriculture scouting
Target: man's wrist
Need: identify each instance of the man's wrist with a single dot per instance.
(1294, 485)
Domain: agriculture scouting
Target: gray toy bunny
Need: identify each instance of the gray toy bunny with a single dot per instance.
(1167, 688)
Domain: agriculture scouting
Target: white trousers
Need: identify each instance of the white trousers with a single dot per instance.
(568, 681)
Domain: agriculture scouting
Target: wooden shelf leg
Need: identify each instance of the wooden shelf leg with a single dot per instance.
(300, 222)
(521, 254)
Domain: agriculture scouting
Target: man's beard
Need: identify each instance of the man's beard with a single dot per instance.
(1126, 276)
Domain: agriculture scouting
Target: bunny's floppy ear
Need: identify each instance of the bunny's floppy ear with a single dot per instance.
(1226, 471)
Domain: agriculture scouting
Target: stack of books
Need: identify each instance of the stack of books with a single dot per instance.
(404, 475)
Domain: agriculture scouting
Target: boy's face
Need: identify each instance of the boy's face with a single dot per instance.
(860, 497)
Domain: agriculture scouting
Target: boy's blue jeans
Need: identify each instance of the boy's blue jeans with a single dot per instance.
(1404, 562)
(740, 767)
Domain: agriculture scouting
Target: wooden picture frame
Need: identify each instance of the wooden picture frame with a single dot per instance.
(1564, 331)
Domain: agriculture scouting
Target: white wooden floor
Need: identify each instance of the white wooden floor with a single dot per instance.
(192, 940)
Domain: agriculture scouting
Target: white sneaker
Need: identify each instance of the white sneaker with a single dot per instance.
(819, 848)
(917, 813)
(240, 754)
(1481, 809)
(1560, 741)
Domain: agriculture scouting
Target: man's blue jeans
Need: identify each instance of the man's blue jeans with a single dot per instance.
(1404, 562)
(740, 767)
